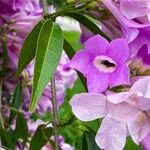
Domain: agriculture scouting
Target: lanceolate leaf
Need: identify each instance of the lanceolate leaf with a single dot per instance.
(6, 138)
(48, 53)
(88, 23)
(29, 48)
(21, 130)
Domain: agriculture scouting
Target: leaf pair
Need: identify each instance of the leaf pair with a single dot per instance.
(45, 43)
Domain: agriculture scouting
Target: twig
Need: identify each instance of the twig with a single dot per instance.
(55, 112)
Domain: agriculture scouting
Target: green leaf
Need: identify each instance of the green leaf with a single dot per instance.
(16, 101)
(68, 49)
(6, 138)
(5, 57)
(21, 130)
(29, 48)
(89, 142)
(130, 145)
(48, 53)
(88, 23)
(40, 137)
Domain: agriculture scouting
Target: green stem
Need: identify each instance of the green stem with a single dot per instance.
(1, 118)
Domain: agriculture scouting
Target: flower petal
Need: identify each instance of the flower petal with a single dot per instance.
(133, 8)
(143, 86)
(118, 50)
(111, 135)
(144, 103)
(96, 45)
(120, 76)
(139, 127)
(116, 98)
(80, 61)
(97, 82)
(88, 107)
(146, 143)
(86, 34)
(123, 112)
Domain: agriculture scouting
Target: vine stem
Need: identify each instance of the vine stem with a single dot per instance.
(55, 112)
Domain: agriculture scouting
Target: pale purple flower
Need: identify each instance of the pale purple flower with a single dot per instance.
(24, 14)
(125, 113)
(136, 34)
(135, 8)
(103, 63)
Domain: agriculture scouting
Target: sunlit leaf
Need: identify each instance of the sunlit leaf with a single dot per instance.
(48, 53)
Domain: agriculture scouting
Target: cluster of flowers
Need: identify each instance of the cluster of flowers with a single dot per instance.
(117, 74)
(17, 19)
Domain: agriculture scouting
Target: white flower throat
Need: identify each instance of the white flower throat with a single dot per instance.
(104, 64)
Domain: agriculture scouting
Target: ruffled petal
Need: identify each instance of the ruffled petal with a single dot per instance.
(133, 8)
(88, 107)
(143, 103)
(111, 135)
(96, 45)
(123, 112)
(139, 127)
(116, 98)
(142, 86)
(81, 61)
(118, 50)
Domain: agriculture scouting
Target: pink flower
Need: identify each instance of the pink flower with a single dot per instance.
(101, 61)
(125, 113)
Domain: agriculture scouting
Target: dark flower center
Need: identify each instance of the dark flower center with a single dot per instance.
(107, 63)
(104, 64)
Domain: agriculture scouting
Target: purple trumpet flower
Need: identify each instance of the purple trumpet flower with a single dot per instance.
(103, 63)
